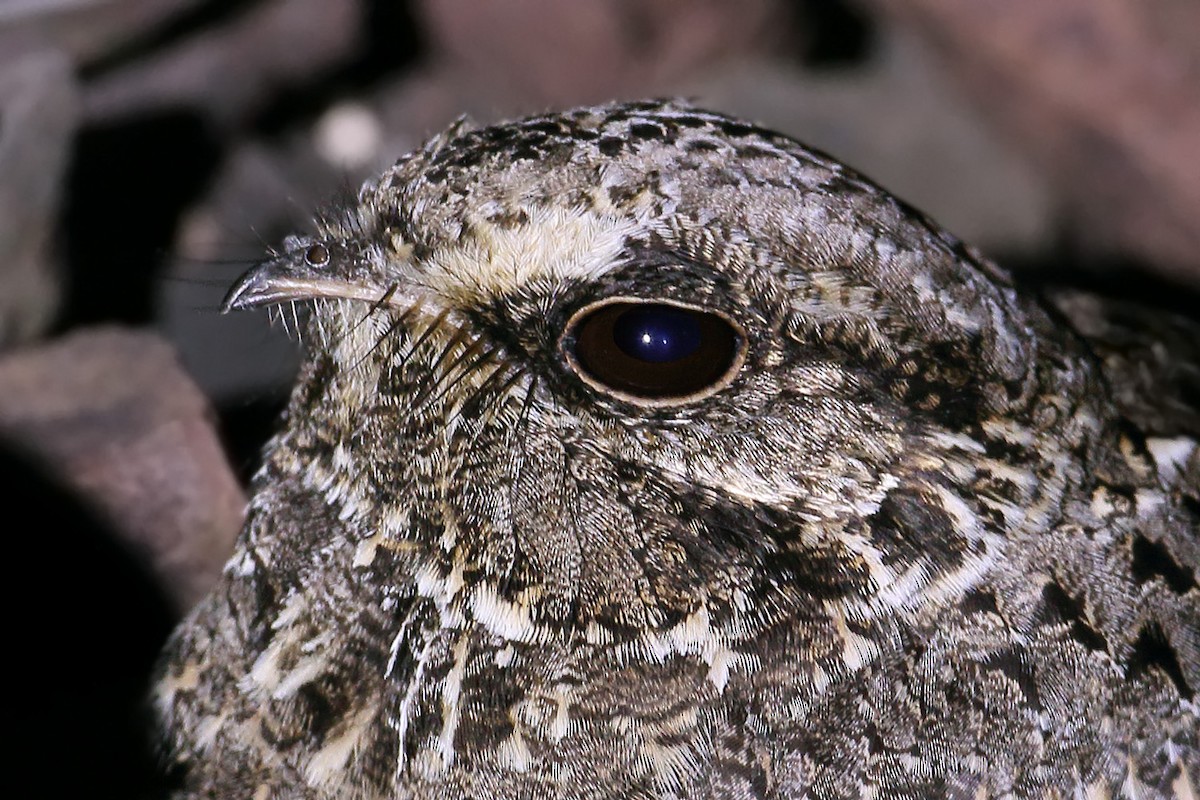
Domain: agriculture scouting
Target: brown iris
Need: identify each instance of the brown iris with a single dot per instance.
(653, 352)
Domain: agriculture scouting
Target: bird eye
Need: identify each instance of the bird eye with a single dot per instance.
(317, 255)
(653, 353)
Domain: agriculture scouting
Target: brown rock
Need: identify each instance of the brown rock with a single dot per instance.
(534, 53)
(83, 30)
(229, 70)
(1105, 94)
(39, 107)
(112, 414)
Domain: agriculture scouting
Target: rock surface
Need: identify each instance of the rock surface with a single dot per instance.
(111, 414)
(39, 107)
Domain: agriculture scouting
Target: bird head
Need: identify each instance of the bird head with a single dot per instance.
(614, 371)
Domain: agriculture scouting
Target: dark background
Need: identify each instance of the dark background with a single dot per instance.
(151, 150)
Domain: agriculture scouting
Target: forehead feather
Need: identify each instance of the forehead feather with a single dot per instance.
(561, 159)
(552, 246)
(555, 197)
(559, 197)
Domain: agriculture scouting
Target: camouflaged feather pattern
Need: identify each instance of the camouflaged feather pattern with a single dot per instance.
(934, 539)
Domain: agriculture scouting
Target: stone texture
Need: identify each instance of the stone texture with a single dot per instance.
(112, 414)
(84, 30)
(548, 53)
(1104, 94)
(39, 107)
(231, 70)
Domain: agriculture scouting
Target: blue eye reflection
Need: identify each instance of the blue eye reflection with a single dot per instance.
(657, 333)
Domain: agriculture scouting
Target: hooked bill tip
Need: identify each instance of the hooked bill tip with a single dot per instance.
(249, 291)
(263, 285)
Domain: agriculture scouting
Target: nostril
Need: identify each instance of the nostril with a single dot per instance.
(317, 255)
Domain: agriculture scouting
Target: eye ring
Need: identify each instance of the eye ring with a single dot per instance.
(657, 353)
(317, 255)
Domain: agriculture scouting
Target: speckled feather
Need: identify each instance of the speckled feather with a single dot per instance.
(933, 538)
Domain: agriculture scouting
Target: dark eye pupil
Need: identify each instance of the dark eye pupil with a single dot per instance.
(657, 352)
(657, 333)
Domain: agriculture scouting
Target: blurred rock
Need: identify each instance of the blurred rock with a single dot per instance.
(530, 54)
(111, 413)
(83, 30)
(231, 69)
(39, 107)
(1103, 94)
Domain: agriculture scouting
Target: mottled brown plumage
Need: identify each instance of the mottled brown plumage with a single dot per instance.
(897, 529)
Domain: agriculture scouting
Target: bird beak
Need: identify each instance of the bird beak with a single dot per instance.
(276, 281)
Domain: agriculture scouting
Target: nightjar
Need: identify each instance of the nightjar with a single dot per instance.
(640, 452)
